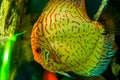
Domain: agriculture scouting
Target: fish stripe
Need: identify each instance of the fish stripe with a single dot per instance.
(71, 39)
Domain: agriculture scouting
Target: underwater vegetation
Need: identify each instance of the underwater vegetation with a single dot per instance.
(64, 39)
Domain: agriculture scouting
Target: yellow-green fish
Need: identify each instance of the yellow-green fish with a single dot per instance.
(65, 39)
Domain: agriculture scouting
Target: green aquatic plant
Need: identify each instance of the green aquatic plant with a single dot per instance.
(11, 13)
(115, 67)
(6, 58)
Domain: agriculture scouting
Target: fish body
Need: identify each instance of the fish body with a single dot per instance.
(65, 39)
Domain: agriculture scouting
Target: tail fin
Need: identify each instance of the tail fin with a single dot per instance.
(110, 18)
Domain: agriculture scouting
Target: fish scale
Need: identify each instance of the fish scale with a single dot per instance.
(65, 39)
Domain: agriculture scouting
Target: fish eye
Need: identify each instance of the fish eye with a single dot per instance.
(38, 50)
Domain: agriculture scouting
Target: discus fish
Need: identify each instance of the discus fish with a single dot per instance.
(65, 39)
